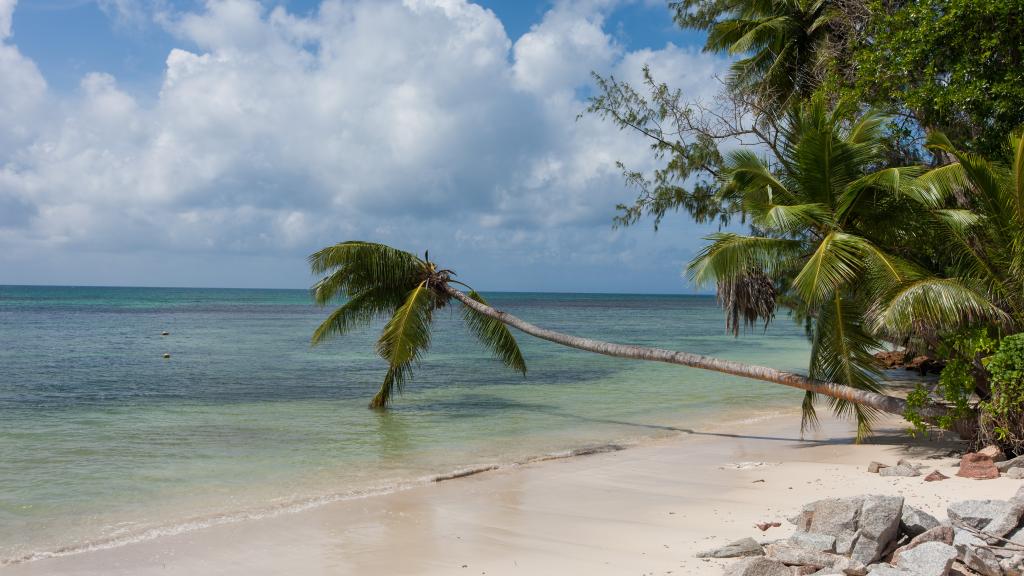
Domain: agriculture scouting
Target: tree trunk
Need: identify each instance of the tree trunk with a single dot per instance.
(890, 404)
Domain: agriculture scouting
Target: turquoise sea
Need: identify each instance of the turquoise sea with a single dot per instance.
(103, 441)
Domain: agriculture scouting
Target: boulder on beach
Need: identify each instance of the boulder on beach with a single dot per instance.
(904, 469)
(759, 566)
(978, 466)
(1006, 465)
(928, 559)
(737, 549)
(914, 522)
(993, 452)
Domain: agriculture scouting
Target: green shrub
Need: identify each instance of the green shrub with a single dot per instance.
(1002, 414)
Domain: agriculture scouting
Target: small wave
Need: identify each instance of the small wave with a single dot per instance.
(199, 523)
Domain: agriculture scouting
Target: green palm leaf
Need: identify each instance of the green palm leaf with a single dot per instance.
(405, 337)
(494, 335)
(352, 267)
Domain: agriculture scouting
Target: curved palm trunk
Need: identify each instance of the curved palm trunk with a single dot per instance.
(890, 404)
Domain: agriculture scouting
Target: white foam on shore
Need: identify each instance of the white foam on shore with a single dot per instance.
(299, 505)
(291, 507)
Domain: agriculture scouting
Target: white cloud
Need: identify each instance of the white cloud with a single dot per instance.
(415, 122)
(6, 11)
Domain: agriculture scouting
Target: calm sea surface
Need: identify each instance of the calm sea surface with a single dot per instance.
(103, 441)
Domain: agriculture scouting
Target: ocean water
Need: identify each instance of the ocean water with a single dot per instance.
(103, 441)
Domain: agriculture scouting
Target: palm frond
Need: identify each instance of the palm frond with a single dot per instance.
(352, 267)
(842, 351)
(404, 338)
(360, 310)
(939, 303)
(730, 255)
(836, 263)
(494, 335)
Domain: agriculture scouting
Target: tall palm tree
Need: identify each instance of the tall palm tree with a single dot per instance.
(783, 43)
(380, 281)
(817, 211)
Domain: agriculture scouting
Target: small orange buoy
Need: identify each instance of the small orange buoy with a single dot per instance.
(166, 355)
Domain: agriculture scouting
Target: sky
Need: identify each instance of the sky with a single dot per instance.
(219, 142)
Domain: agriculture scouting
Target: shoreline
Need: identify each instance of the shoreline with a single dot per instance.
(302, 504)
(648, 508)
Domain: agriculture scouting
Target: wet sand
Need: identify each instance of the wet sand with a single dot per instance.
(644, 510)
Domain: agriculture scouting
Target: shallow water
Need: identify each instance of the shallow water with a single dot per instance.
(103, 441)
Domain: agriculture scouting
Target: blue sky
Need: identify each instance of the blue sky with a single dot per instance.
(217, 142)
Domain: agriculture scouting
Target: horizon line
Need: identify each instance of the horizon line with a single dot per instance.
(3, 285)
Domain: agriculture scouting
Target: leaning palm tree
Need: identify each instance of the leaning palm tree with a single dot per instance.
(783, 43)
(380, 281)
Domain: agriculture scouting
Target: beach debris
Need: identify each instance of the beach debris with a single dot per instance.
(1006, 465)
(977, 466)
(167, 355)
(993, 452)
(904, 469)
(763, 526)
(1013, 566)
(737, 549)
(914, 522)
(976, 555)
(874, 467)
(758, 566)
(746, 465)
(935, 476)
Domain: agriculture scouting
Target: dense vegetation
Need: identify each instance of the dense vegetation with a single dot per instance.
(883, 187)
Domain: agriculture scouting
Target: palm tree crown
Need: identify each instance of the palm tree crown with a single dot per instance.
(783, 41)
(382, 282)
(816, 211)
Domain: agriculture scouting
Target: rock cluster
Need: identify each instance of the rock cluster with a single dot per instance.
(902, 359)
(883, 536)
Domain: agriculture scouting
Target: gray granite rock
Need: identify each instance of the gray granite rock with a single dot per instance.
(813, 541)
(1006, 521)
(942, 534)
(796, 556)
(888, 570)
(975, 513)
(915, 522)
(1016, 473)
(834, 516)
(928, 559)
(737, 549)
(879, 524)
(972, 552)
(1005, 465)
(900, 470)
(758, 566)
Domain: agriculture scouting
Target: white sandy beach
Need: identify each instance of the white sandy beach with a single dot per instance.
(644, 510)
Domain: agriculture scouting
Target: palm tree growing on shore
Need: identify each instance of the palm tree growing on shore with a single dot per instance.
(382, 282)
